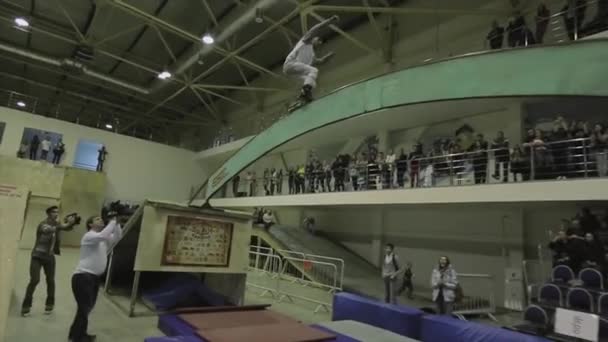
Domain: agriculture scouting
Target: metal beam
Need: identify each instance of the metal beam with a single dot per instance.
(210, 12)
(348, 36)
(375, 26)
(226, 86)
(164, 42)
(204, 90)
(106, 39)
(404, 10)
(69, 18)
(242, 48)
(209, 108)
(187, 35)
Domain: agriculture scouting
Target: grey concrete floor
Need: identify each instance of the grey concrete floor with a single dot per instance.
(106, 320)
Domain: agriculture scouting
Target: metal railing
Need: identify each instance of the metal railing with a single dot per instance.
(479, 296)
(573, 158)
(292, 278)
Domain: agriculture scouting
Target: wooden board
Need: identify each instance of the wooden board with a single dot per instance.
(193, 241)
(13, 204)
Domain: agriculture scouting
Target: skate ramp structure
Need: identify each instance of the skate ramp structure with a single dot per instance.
(359, 275)
(471, 76)
(13, 204)
(163, 240)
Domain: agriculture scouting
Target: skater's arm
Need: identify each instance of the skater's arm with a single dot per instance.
(315, 29)
(324, 58)
(117, 234)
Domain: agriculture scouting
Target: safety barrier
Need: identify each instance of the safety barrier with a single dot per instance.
(293, 278)
(268, 266)
(479, 298)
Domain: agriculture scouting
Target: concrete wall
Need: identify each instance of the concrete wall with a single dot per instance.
(136, 169)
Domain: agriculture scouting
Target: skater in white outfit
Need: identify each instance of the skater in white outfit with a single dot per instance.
(299, 63)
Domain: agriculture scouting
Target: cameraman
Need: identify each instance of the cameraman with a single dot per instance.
(43, 256)
(93, 261)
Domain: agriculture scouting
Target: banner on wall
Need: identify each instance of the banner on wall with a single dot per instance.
(193, 241)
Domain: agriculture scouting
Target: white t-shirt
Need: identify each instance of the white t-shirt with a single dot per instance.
(302, 52)
(45, 145)
(94, 249)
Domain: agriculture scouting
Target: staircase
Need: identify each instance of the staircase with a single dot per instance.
(359, 275)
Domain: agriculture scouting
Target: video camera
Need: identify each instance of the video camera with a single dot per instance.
(76, 217)
(117, 210)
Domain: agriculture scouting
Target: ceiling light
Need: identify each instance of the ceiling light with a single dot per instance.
(22, 22)
(20, 104)
(164, 75)
(207, 39)
(108, 126)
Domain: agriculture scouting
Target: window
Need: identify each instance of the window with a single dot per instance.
(87, 152)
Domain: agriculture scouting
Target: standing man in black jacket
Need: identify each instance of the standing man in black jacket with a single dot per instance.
(43, 256)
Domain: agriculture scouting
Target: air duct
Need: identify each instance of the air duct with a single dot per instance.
(71, 66)
(198, 51)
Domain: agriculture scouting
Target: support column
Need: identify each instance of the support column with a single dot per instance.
(383, 143)
(378, 239)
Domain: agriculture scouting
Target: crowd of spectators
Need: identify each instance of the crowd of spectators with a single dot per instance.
(582, 242)
(563, 149)
(573, 13)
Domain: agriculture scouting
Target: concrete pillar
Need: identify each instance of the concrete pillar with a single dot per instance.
(383, 143)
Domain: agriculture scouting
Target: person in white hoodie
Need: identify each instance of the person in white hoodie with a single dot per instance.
(92, 264)
(444, 282)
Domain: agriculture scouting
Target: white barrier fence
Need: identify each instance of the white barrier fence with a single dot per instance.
(479, 297)
(295, 276)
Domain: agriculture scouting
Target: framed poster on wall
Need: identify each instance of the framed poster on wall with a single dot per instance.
(195, 241)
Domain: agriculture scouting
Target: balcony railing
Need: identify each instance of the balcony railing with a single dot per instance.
(534, 161)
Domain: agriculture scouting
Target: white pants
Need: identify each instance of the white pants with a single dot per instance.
(308, 74)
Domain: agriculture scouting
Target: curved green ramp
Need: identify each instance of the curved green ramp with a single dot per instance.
(579, 68)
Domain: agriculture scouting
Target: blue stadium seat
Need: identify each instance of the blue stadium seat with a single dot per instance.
(580, 299)
(602, 304)
(592, 278)
(562, 274)
(537, 321)
(550, 295)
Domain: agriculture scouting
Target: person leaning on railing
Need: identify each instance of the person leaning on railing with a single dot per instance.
(599, 146)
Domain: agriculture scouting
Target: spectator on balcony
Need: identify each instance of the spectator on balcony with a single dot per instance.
(496, 36)
(353, 173)
(520, 164)
(328, 175)
(273, 180)
(500, 145)
(373, 170)
(380, 175)
(389, 174)
(34, 144)
(291, 180)
(574, 16)
(540, 155)
(280, 181)
(235, 185)
(339, 173)
(480, 158)
(362, 172)
(250, 183)
(559, 147)
(23, 148)
(415, 164)
(45, 148)
(58, 151)
(444, 282)
(599, 146)
(543, 15)
(300, 179)
(319, 174)
(401, 167)
(309, 177)
(594, 253)
(579, 131)
(266, 182)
